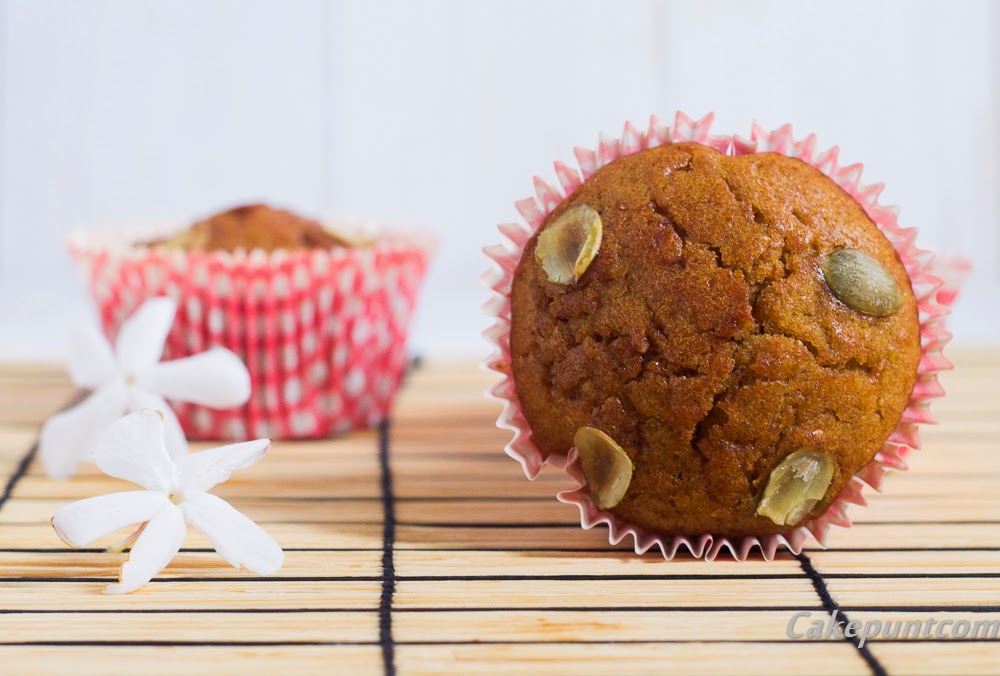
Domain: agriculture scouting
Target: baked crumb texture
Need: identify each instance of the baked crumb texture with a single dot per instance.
(704, 340)
(254, 226)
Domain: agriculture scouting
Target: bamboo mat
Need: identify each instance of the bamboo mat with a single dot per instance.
(420, 548)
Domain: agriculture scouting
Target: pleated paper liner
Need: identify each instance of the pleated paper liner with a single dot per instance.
(935, 283)
(322, 331)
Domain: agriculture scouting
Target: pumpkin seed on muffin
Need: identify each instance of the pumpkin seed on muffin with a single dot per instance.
(606, 466)
(861, 283)
(568, 245)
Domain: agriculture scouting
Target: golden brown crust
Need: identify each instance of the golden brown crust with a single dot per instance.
(254, 226)
(704, 340)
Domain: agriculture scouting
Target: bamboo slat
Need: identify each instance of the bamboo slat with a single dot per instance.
(464, 565)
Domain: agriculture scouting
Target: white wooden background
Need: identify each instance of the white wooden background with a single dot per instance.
(437, 114)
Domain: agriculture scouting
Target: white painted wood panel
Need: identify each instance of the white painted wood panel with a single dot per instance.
(116, 111)
(438, 113)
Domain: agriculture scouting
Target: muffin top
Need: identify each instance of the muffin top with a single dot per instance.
(736, 326)
(255, 226)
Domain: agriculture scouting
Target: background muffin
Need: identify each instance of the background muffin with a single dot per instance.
(256, 226)
(321, 326)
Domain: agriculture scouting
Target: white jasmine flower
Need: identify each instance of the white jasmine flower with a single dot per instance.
(176, 491)
(130, 377)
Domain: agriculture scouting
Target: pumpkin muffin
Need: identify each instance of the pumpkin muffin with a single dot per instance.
(255, 226)
(725, 340)
(320, 320)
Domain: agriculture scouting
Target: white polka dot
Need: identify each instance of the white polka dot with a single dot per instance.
(391, 278)
(340, 355)
(303, 422)
(309, 342)
(200, 275)
(383, 385)
(203, 419)
(317, 373)
(400, 310)
(222, 285)
(325, 298)
(293, 391)
(301, 277)
(362, 330)
(281, 286)
(287, 321)
(215, 320)
(259, 288)
(194, 309)
(154, 276)
(290, 357)
(345, 281)
(355, 382)
(382, 336)
(307, 312)
(236, 429)
(264, 429)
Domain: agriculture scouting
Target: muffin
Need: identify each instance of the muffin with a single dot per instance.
(319, 318)
(720, 339)
(704, 339)
(256, 226)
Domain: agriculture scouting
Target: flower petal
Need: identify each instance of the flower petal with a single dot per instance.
(82, 522)
(155, 548)
(238, 540)
(174, 435)
(91, 361)
(141, 338)
(70, 436)
(216, 378)
(205, 469)
(133, 449)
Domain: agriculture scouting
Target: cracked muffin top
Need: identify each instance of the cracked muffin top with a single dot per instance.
(254, 226)
(729, 339)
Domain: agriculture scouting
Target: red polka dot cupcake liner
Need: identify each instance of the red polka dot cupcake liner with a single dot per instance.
(935, 282)
(322, 331)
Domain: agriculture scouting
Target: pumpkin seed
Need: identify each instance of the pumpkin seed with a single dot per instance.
(607, 467)
(566, 246)
(796, 486)
(861, 283)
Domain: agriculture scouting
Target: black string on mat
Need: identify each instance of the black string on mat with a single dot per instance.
(829, 605)
(388, 543)
(22, 467)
